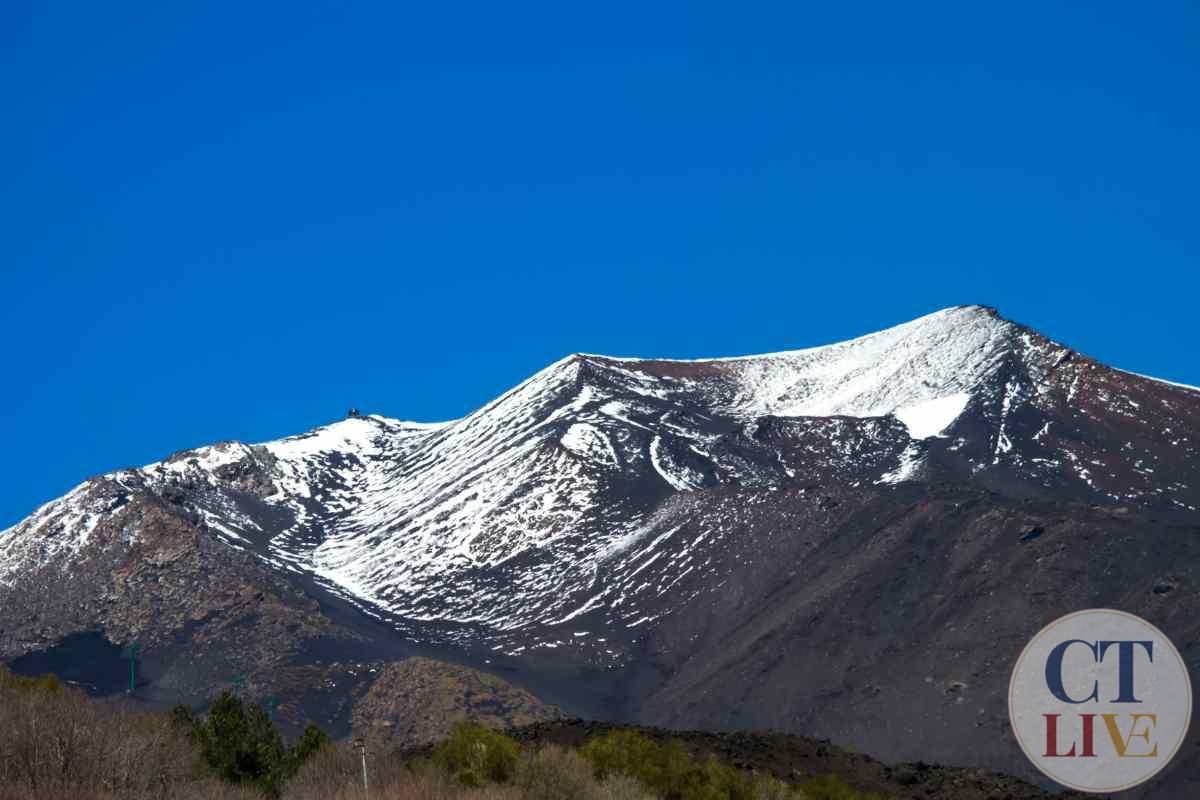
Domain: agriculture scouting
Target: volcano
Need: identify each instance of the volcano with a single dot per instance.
(852, 541)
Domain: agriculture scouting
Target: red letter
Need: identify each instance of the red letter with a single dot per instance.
(1088, 748)
(1052, 739)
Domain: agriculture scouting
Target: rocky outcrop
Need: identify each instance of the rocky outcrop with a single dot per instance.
(417, 700)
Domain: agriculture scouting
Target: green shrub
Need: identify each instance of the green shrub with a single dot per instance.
(46, 683)
(239, 743)
(312, 740)
(623, 752)
(670, 772)
(476, 755)
(182, 719)
(552, 773)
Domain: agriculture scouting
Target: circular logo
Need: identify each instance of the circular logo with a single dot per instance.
(1100, 700)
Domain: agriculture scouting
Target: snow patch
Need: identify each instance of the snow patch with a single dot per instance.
(928, 419)
(680, 477)
(910, 462)
(590, 443)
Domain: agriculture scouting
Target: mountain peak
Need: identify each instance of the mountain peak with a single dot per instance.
(976, 308)
(609, 513)
(942, 354)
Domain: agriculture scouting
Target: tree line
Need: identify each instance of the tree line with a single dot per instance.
(58, 744)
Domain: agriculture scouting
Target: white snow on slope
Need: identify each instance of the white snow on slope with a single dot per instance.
(411, 517)
(205, 459)
(930, 418)
(64, 526)
(387, 510)
(1162, 380)
(910, 463)
(678, 476)
(931, 358)
(589, 442)
(490, 487)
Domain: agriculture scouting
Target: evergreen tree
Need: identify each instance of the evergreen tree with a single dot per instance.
(312, 740)
(241, 744)
(182, 718)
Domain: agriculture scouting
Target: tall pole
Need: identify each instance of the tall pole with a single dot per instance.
(366, 791)
(362, 749)
(133, 651)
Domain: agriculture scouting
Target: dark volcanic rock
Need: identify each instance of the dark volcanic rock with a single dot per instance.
(417, 700)
(853, 541)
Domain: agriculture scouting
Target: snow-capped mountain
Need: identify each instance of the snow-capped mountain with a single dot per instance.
(619, 512)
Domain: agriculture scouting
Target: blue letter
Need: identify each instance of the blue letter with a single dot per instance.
(1054, 680)
(1125, 667)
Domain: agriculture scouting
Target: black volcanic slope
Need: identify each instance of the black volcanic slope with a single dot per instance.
(852, 542)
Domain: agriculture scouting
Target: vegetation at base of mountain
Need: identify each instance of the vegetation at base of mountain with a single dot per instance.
(239, 742)
(800, 760)
(475, 755)
(477, 763)
(57, 744)
(669, 771)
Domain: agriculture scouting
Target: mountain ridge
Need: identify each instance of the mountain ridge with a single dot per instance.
(609, 532)
(570, 420)
(988, 311)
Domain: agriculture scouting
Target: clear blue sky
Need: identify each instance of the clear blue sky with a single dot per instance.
(235, 220)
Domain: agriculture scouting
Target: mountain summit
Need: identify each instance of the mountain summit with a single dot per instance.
(831, 540)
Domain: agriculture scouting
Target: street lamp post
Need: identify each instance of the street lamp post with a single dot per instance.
(361, 746)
